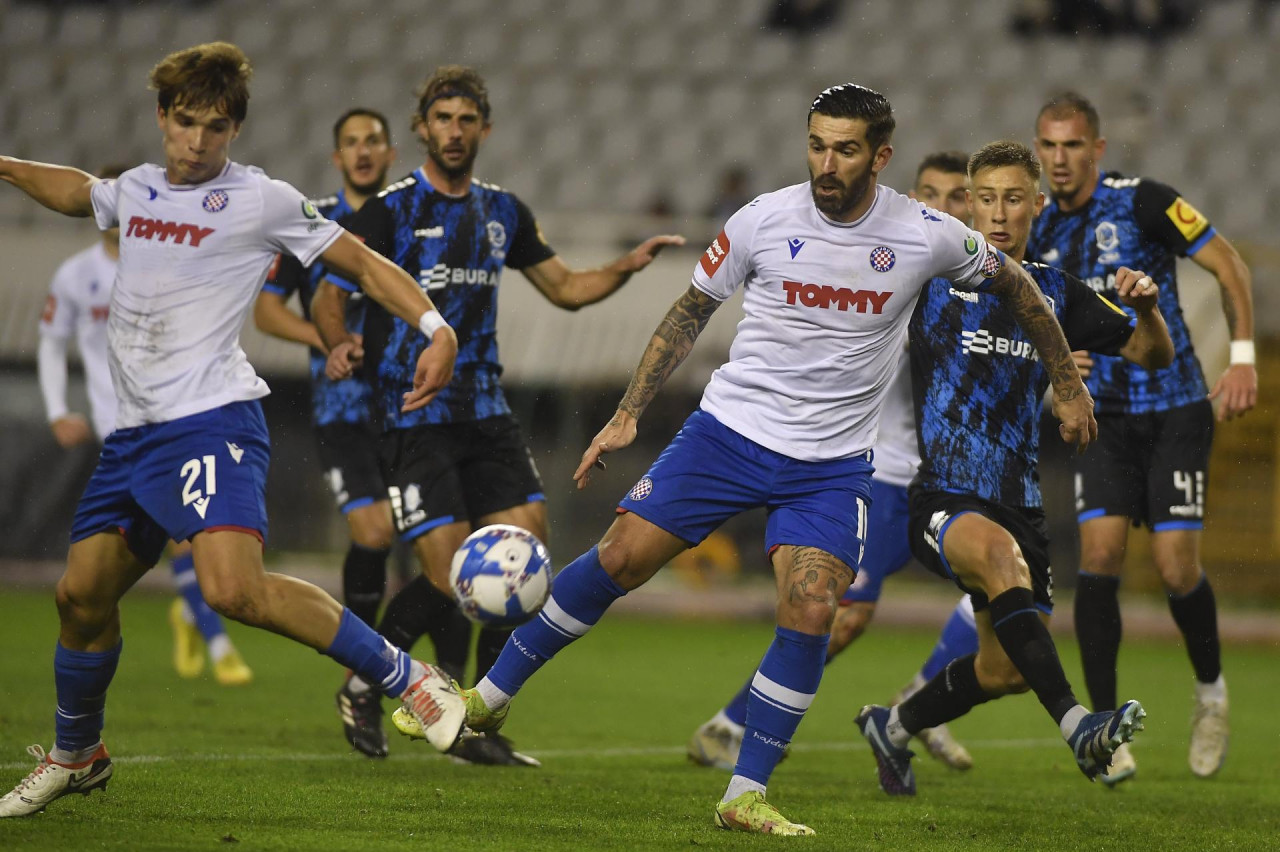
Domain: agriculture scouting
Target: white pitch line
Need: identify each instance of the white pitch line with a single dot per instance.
(604, 753)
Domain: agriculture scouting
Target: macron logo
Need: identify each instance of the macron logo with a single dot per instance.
(158, 229)
(236, 452)
(825, 296)
(795, 245)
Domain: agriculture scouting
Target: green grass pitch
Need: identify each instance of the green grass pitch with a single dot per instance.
(265, 767)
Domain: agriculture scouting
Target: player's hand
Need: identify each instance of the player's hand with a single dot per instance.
(1236, 391)
(1084, 363)
(616, 434)
(70, 430)
(1136, 289)
(642, 255)
(344, 359)
(435, 369)
(1074, 410)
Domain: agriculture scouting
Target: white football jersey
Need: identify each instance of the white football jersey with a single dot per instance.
(826, 308)
(192, 260)
(78, 305)
(897, 452)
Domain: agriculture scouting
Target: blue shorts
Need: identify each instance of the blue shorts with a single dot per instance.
(709, 473)
(172, 480)
(888, 547)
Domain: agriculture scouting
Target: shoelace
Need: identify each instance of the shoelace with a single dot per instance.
(38, 753)
(424, 705)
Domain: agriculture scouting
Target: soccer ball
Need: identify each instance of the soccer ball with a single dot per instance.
(501, 576)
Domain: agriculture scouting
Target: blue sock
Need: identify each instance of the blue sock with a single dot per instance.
(580, 595)
(81, 679)
(376, 660)
(959, 639)
(736, 709)
(781, 692)
(208, 622)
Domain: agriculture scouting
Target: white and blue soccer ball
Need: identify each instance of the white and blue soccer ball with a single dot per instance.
(501, 575)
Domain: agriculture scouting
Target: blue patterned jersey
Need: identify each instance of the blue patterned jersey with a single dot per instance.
(1143, 225)
(978, 382)
(456, 248)
(346, 401)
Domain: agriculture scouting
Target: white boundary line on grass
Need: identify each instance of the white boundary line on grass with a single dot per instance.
(544, 754)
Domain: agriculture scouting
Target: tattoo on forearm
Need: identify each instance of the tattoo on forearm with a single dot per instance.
(1229, 310)
(671, 343)
(1018, 290)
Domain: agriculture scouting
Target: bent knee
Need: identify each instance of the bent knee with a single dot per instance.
(850, 623)
(1005, 567)
(233, 600)
(79, 609)
(1101, 559)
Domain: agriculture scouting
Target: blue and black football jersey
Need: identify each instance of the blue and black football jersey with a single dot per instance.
(1143, 225)
(456, 248)
(346, 401)
(978, 382)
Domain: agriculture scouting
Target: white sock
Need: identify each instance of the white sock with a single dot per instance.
(71, 758)
(220, 646)
(721, 719)
(359, 687)
(1215, 692)
(739, 785)
(1071, 721)
(897, 734)
(494, 698)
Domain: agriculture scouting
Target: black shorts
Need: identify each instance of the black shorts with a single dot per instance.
(931, 514)
(1152, 468)
(349, 456)
(441, 473)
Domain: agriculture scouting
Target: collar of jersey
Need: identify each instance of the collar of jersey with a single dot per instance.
(856, 222)
(189, 187)
(423, 177)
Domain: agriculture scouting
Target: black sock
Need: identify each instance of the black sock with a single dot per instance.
(1196, 615)
(420, 608)
(953, 692)
(490, 644)
(364, 581)
(1027, 642)
(1098, 631)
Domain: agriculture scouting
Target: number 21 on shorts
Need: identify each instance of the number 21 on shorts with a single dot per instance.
(193, 494)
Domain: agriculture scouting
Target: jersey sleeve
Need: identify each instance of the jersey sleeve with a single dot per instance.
(1165, 217)
(1091, 322)
(285, 277)
(59, 316)
(105, 198)
(529, 247)
(292, 225)
(959, 253)
(725, 264)
(373, 225)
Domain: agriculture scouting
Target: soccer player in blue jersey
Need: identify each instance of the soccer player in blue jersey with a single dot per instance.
(830, 269)
(975, 509)
(460, 462)
(941, 179)
(1151, 466)
(189, 455)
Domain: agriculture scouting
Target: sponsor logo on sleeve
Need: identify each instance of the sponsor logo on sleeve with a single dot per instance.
(309, 209)
(215, 200)
(970, 245)
(1189, 221)
(714, 256)
(882, 258)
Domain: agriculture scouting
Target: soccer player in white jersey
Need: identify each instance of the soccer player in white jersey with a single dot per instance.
(79, 302)
(831, 270)
(940, 183)
(189, 456)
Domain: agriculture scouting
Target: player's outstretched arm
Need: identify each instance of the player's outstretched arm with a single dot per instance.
(1237, 389)
(391, 287)
(1072, 404)
(329, 313)
(576, 288)
(272, 316)
(60, 188)
(1150, 346)
(670, 345)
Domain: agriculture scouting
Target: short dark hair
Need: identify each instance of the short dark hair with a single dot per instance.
(452, 81)
(112, 171)
(352, 113)
(849, 100)
(995, 155)
(947, 162)
(214, 75)
(1065, 104)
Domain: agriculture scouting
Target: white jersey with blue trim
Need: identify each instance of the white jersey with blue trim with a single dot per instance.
(897, 451)
(826, 310)
(192, 260)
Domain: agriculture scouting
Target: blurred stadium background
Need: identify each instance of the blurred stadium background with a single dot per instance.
(618, 118)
